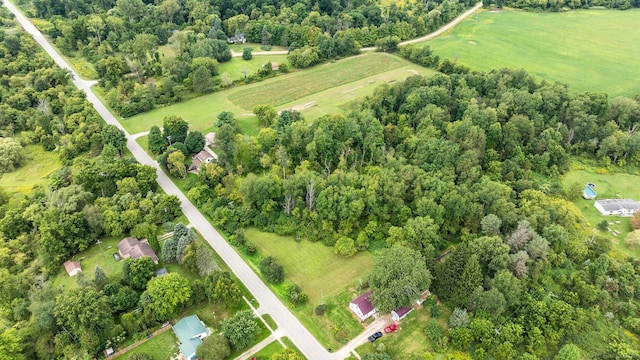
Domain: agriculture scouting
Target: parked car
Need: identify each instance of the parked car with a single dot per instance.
(375, 336)
(391, 328)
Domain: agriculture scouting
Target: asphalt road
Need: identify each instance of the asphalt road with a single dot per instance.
(287, 323)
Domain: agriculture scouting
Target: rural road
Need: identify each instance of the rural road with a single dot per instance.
(287, 323)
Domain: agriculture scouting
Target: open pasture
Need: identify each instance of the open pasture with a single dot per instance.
(591, 50)
(325, 89)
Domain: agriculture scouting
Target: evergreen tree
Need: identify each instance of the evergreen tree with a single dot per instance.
(99, 278)
(169, 251)
(157, 142)
(182, 245)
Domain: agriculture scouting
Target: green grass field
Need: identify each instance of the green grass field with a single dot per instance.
(591, 50)
(38, 165)
(323, 89)
(324, 276)
(268, 351)
(234, 68)
(313, 266)
(256, 47)
(162, 347)
(607, 186)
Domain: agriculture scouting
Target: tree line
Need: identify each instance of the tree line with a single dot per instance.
(122, 38)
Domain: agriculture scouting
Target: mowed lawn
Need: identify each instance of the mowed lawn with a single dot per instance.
(234, 68)
(312, 265)
(325, 89)
(37, 166)
(97, 254)
(608, 186)
(163, 346)
(591, 50)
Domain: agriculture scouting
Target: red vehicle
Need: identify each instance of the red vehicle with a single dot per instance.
(391, 328)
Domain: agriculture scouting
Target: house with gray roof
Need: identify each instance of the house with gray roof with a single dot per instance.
(620, 207)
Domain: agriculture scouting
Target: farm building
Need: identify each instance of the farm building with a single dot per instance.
(73, 268)
(133, 248)
(362, 307)
(400, 313)
(621, 207)
(190, 332)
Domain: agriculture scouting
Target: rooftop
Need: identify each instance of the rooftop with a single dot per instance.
(363, 303)
(618, 204)
(187, 331)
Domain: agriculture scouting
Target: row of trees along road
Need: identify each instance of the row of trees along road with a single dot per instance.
(122, 38)
(97, 192)
(469, 161)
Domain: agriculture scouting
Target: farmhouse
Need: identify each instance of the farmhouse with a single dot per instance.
(73, 268)
(362, 307)
(203, 157)
(133, 248)
(190, 332)
(621, 207)
(400, 313)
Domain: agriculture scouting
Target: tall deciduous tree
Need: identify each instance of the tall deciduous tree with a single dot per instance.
(195, 142)
(240, 329)
(10, 155)
(399, 276)
(168, 293)
(174, 129)
(266, 114)
(141, 270)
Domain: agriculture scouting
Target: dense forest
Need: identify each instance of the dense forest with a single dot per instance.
(469, 162)
(122, 38)
(99, 192)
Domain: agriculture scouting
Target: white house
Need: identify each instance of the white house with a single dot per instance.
(362, 307)
(621, 207)
(400, 313)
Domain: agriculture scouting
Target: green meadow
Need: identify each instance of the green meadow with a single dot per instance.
(591, 50)
(234, 68)
(38, 165)
(323, 89)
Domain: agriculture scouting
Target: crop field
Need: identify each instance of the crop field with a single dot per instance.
(324, 89)
(591, 50)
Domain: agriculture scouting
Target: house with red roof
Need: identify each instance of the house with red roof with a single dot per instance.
(362, 306)
(400, 313)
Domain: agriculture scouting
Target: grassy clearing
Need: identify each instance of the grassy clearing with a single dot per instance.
(608, 185)
(324, 276)
(234, 68)
(398, 3)
(201, 112)
(38, 165)
(256, 47)
(569, 47)
(162, 347)
(313, 266)
(97, 254)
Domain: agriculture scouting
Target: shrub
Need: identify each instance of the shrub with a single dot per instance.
(272, 270)
(321, 309)
(251, 249)
(246, 53)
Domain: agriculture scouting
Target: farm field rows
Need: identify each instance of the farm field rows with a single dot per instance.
(327, 87)
(591, 50)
